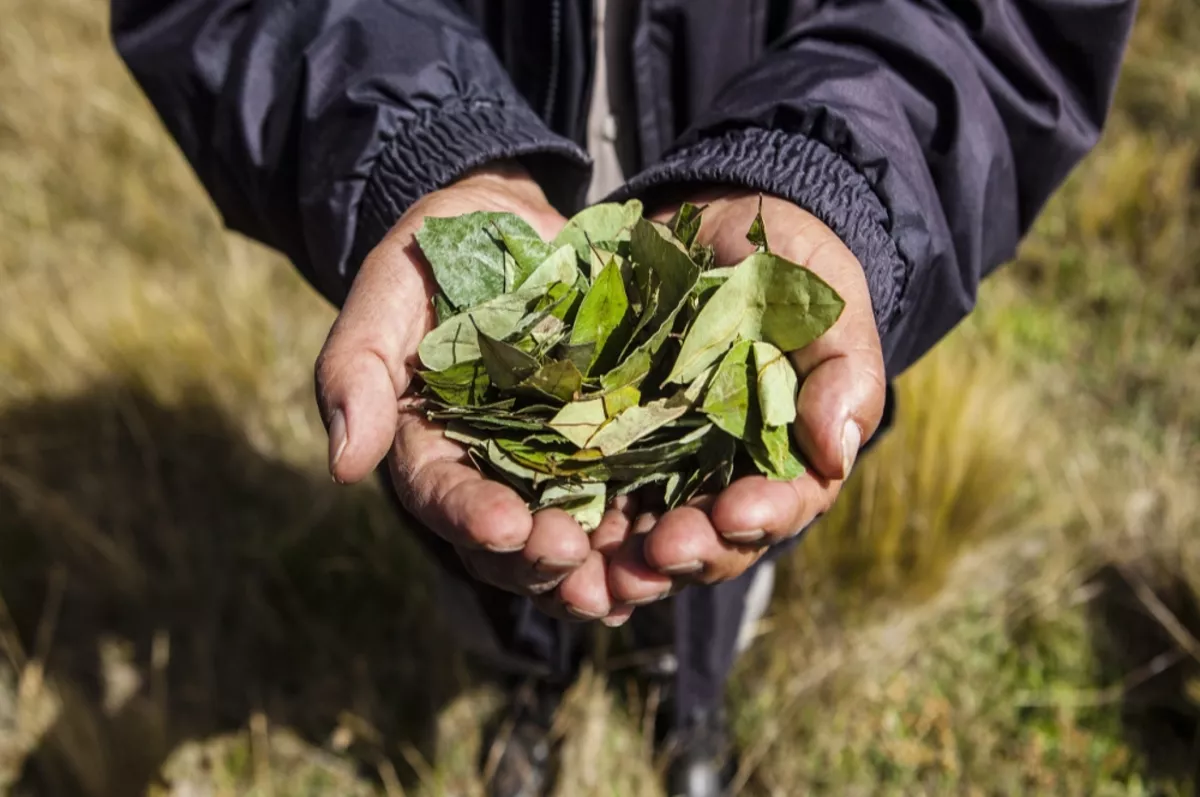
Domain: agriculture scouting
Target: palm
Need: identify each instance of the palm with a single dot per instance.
(840, 404)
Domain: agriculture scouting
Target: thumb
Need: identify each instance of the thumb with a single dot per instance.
(365, 365)
(843, 384)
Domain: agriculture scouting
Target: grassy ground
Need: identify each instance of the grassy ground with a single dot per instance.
(1005, 601)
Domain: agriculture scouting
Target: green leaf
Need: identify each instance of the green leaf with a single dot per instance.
(602, 313)
(519, 476)
(607, 221)
(776, 382)
(675, 271)
(635, 423)
(757, 234)
(558, 267)
(442, 307)
(727, 401)
(527, 248)
(583, 501)
(470, 266)
(767, 299)
(685, 224)
(460, 432)
(579, 420)
(454, 340)
(461, 384)
(774, 454)
(507, 366)
(557, 379)
(618, 400)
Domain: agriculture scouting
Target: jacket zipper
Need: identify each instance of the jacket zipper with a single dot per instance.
(555, 60)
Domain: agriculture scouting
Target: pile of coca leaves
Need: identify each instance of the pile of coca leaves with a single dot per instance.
(616, 357)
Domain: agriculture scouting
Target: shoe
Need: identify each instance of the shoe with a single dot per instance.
(703, 759)
(520, 755)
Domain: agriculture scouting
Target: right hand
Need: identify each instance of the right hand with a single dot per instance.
(363, 375)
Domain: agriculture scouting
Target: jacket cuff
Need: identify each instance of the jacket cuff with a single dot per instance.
(806, 172)
(437, 148)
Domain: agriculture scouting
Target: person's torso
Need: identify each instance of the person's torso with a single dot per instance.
(666, 59)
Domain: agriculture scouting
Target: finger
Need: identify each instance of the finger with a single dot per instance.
(631, 581)
(584, 592)
(556, 546)
(843, 384)
(756, 510)
(362, 369)
(509, 572)
(618, 616)
(685, 544)
(451, 497)
(615, 526)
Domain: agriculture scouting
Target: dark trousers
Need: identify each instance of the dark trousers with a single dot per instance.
(700, 626)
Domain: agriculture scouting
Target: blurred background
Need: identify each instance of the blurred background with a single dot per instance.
(1005, 601)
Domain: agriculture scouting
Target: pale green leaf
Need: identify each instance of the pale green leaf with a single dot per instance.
(766, 298)
(727, 401)
(635, 423)
(774, 454)
(442, 307)
(685, 224)
(579, 420)
(527, 248)
(454, 341)
(776, 382)
(608, 221)
(560, 266)
(583, 501)
(757, 234)
(676, 273)
(461, 384)
(468, 262)
(620, 399)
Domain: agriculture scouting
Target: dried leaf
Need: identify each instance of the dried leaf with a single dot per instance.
(461, 384)
(727, 401)
(579, 420)
(602, 313)
(635, 423)
(558, 379)
(776, 382)
(583, 501)
(468, 262)
(774, 454)
(685, 224)
(767, 299)
(608, 221)
(757, 234)
(507, 366)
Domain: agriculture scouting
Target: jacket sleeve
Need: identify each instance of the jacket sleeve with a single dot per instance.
(314, 125)
(926, 133)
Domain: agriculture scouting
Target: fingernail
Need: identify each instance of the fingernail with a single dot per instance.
(582, 615)
(851, 439)
(651, 599)
(751, 535)
(548, 565)
(616, 622)
(683, 568)
(503, 549)
(337, 440)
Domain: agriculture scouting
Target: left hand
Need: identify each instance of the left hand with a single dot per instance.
(840, 404)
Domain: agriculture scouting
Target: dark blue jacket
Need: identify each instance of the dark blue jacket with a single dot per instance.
(926, 133)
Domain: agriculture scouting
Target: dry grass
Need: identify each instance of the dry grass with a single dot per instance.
(1003, 602)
